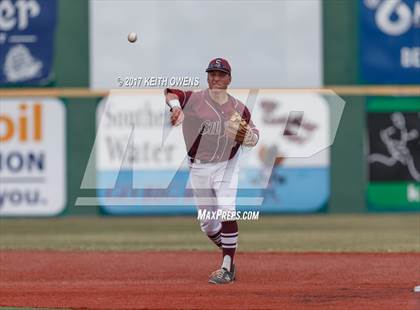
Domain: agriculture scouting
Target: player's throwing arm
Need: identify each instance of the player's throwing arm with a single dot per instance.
(177, 116)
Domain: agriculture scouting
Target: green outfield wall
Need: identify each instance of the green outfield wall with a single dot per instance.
(80, 139)
(348, 175)
(72, 70)
(72, 44)
(341, 68)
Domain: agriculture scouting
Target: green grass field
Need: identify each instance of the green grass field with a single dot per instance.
(325, 233)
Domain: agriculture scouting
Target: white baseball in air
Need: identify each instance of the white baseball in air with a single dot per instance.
(417, 289)
(132, 37)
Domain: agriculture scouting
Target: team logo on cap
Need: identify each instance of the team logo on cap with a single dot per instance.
(219, 64)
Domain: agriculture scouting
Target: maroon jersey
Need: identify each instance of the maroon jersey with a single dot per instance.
(204, 125)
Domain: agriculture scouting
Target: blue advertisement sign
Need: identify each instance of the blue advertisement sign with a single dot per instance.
(27, 29)
(389, 37)
(282, 195)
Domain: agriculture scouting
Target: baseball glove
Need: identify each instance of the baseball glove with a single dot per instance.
(237, 128)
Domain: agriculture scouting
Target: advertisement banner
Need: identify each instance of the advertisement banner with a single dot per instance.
(27, 29)
(390, 41)
(135, 152)
(32, 157)
(394, 153)
(292, 151)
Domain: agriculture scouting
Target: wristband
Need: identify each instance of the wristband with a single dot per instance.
(174, 103)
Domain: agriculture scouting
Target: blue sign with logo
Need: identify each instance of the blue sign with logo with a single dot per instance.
(27, 29)
(389, 37)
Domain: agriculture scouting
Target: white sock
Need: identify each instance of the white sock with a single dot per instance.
(227, 260)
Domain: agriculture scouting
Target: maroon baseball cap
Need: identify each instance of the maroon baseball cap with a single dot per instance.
(219, 64)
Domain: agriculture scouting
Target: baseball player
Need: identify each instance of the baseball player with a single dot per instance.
(215, 126)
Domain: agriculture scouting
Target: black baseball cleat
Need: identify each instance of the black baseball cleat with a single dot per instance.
(223, 276)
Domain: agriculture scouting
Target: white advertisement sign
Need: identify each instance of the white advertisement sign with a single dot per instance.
(134, 134)
(129, 133)
(294, 127)
(32, 157)
(137, 154)
(132, 127)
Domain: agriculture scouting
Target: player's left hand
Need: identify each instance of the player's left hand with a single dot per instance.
(237, 128)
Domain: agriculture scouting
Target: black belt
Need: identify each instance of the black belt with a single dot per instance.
(200, 161)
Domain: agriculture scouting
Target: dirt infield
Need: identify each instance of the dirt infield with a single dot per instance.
(177, 280)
